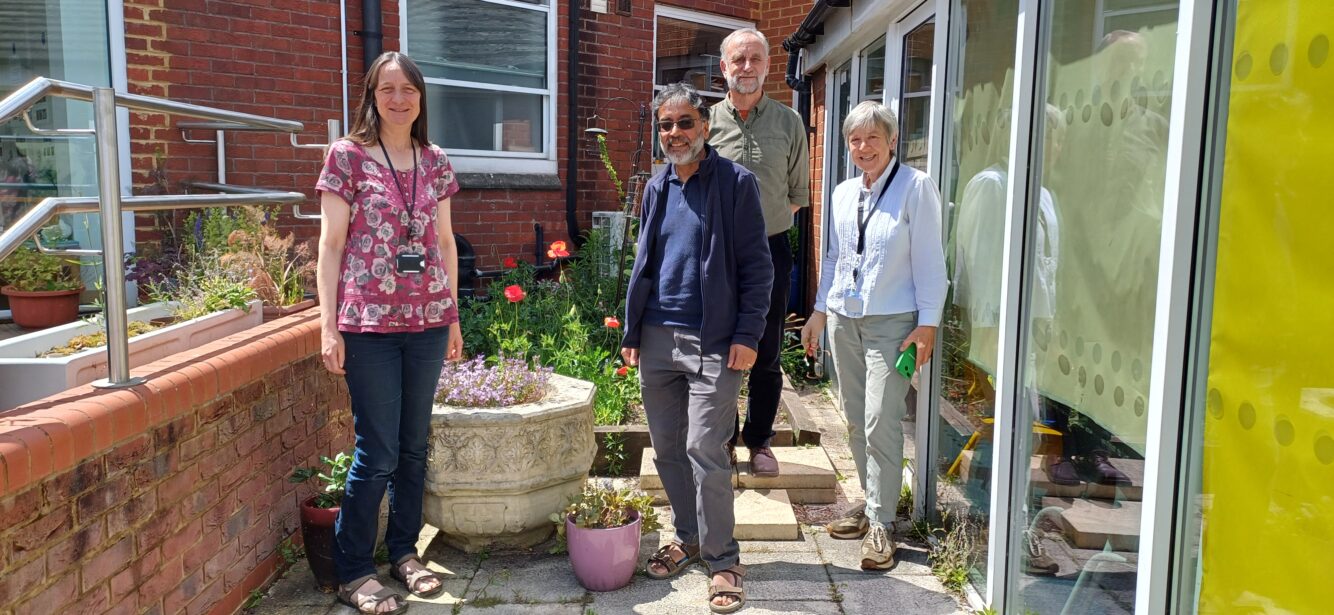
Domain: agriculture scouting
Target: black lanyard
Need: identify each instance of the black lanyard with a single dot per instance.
(863, 221)
(411, 204)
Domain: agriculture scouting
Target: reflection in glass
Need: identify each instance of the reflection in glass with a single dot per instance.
(1260, 488)
(1091, 265)
(873, 72)
(57, 40)
(915, 105)
(842, 106)
(471, 119)
(974, 184)
(478, 41)
(687, 52)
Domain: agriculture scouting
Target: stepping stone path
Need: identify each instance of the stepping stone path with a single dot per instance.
(764, 505)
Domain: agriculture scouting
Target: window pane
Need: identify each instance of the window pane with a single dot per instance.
(472, 40)
(873, 72)
(1260, 501)
(915, 99)
(61, 40)
(467, 118)
(1091, 273)
(974, 186)
(688, 53)
(842, 107)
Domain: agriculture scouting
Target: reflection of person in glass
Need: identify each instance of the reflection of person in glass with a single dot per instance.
(882, 289)
(15, 170)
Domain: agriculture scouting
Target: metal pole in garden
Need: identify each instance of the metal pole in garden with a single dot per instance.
(113, 251)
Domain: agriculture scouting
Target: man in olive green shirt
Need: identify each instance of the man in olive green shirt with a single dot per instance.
(769, 139)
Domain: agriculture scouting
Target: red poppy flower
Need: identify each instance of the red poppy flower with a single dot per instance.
(611, 322)
(557, 250)
(511, 263)
(622, 371)
(514, 293)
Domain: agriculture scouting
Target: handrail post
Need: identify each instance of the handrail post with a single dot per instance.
(113, 248)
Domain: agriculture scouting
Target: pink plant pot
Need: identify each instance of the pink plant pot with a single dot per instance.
(603, 559)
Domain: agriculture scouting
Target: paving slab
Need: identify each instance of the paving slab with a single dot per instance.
(845, 556)
(524, 577)
(649, 480)
(761, 514)
(765, 514)
(801, 467)
(520, 609)
(908, 594)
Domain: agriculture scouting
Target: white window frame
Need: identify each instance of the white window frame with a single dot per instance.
(704, 19)
(490, 161)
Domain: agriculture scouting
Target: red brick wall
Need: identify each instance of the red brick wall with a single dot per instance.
(171, 496)
(284, 62)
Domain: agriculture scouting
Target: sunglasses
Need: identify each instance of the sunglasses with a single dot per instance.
(684, 124)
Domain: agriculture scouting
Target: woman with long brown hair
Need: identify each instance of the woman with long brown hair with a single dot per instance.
(387, 281)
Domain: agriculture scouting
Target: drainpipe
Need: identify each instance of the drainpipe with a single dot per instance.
(372, 32)
(342, 38)
(572, 133)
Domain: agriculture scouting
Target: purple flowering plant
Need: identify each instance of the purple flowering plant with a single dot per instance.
(482, 383)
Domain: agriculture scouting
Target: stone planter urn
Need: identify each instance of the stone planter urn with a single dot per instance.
(495, 475)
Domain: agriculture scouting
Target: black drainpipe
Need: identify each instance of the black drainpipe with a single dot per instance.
(372, 32)
(572, 134)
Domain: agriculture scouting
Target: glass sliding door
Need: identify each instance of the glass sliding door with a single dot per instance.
(1091, 245)
(66, 40)
(978, 92)
(1258, 508)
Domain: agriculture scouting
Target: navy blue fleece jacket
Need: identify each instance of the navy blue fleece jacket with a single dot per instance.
(736, 271)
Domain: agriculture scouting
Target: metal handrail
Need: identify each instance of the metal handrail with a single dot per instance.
(234, 189)
(110, 203)
(18, 102)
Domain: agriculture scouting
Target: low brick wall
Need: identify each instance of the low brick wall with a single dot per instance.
(171, 496)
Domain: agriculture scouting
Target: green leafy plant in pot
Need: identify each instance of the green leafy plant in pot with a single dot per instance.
(601, 528)
(43, 289)
(319, 511)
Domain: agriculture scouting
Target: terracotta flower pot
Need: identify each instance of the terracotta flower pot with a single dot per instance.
(317, 532)
(603, 559)
(40, 309)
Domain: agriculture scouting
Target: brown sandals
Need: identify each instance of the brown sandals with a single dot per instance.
(663, 557)
(719, 588)
(413, 580)
(370, 603)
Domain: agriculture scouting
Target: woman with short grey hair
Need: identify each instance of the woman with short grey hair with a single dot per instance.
(882, 292)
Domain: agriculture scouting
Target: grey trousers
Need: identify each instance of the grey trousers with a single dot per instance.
(865, 350)
(690, 401)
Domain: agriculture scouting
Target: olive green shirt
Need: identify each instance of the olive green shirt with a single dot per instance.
(771, 143)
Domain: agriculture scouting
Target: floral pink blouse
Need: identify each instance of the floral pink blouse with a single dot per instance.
(372, 296)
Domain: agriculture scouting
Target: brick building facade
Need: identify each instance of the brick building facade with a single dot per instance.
(285, 62)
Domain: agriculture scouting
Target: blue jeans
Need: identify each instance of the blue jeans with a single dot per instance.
(391, 378)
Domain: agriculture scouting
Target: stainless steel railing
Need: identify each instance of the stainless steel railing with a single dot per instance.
(110, 204)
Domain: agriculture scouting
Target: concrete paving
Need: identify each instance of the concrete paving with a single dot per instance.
(813, 574)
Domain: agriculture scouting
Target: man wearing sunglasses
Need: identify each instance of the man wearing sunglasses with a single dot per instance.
(701, 243)
(769, 139)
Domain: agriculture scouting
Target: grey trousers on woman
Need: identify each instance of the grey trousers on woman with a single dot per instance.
(690, 400)
(865, 350)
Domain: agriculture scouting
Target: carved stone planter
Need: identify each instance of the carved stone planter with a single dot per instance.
(495, 475)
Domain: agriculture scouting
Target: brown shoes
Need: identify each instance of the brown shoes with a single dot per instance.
(763, 463)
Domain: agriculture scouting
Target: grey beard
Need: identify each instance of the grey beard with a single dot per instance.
(735, 85)
(690, 156)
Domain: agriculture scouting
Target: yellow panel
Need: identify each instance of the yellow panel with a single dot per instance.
(1268, 540)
